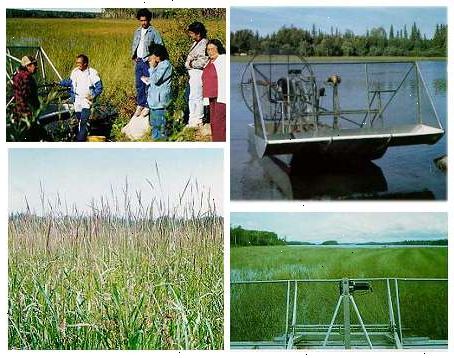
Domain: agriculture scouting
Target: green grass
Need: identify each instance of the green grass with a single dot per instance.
(107, 43)
(150, 279)
(258, 311)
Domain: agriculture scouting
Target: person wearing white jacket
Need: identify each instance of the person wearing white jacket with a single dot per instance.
(85, 86)
(214, 88)
(195, 62)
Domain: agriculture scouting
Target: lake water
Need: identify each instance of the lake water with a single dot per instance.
(383, 246)
(406, 172)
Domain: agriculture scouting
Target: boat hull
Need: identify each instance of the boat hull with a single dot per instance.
(370, 143)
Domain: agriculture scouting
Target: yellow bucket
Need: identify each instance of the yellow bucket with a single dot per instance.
(96, 138)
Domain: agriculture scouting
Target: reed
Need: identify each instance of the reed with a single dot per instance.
(122, 275)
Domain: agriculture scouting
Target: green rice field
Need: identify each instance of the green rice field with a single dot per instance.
(258, 311)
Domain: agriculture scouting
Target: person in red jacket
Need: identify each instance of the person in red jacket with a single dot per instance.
(25, 88)
(214, 81)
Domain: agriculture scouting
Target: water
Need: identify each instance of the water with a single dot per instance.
(406, 172)
(372, 246)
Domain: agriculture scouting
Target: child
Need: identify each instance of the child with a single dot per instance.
(159, 90)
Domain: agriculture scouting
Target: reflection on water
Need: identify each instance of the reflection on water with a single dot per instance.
(403, 173)
(327, 179)
(439, 86)
(303, 179)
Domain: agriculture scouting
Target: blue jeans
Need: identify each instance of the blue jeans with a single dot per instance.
(158, 123)
(82, 128)
(141, 88)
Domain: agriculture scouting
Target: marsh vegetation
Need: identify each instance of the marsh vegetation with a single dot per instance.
(258, 311)
(123, 274)
(107, 43)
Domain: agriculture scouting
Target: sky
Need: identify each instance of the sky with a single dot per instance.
(267, 20)
(80, 175)
(347, 227)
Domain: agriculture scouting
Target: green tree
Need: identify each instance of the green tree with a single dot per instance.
(244, 40)
(376, 42)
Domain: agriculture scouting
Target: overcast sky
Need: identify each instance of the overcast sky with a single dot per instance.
(267, 20)
(80, 175)
(347, 227)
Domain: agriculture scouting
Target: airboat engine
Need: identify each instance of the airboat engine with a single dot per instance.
(282, 86)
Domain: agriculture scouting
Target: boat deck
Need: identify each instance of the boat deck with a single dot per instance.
(366, 142)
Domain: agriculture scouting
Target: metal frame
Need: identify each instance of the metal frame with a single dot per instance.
(284, 131)
(294, 331)
(427, 91)
(40, 55)
(279, 128)
(339, 113)
(57, 108)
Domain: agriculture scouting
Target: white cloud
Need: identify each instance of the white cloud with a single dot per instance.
(347, 227)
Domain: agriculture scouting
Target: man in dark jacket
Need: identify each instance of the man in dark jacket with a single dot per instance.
(25, 88)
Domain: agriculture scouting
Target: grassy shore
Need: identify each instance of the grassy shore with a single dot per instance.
(145, 279)
(258, 311)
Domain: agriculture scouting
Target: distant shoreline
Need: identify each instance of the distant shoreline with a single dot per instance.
(371, 246)
(283, 58)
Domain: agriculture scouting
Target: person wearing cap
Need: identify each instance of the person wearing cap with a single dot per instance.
(25, 88)
(85, 86)
(195, 62)
(144, 37)
(159, 81)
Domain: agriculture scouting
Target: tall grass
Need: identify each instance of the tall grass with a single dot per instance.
(124, 275)
(258, 310)
(107, 43)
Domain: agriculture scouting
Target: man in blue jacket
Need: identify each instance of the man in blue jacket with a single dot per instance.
(85, 85)
(144, 37)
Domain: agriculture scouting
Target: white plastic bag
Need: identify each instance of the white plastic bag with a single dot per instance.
(137, 128)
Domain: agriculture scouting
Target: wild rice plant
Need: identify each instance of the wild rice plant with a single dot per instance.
(125, 275)
(107, 44)
(257, 312)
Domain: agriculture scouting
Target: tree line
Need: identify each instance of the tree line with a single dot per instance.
(129, 13)
(441, 242)
(209, 13)
(49, 14)
(376, 42)
(245, 237)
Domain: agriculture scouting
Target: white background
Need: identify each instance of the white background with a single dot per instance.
(298, 206)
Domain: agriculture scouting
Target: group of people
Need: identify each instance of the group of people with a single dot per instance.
(205, 63)
(84, 85)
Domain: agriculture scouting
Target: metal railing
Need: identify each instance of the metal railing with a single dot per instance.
(392, 328)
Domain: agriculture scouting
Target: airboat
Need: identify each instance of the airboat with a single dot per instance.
(338, 109)
(59, 106)
(360, 313)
